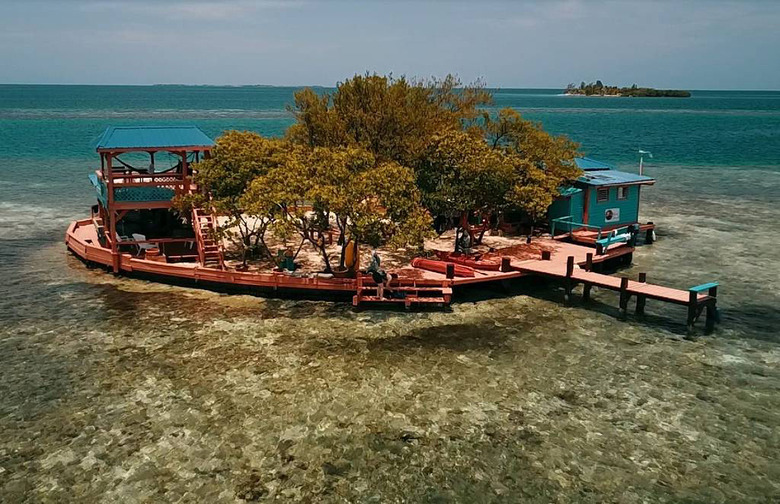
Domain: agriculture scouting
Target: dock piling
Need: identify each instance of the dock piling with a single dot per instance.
(712, 310)
(568, 284)
(506, 264)
(649, 235)
(586, 291)
(589, 261)
(450, 270)
(641, 299)
(546, 255)
(692, 298)
(634, 234)
(624, 296)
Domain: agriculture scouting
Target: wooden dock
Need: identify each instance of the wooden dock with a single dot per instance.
(572, 274)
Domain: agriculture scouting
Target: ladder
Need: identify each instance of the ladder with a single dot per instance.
(209, 250)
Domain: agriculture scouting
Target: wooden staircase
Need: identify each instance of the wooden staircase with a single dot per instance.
(209, 251)
(402, 291)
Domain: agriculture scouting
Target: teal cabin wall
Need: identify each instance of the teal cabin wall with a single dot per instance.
(628, 208)
(571, 204)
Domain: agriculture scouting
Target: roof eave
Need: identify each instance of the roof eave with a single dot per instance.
(173, 148)
(614, 184)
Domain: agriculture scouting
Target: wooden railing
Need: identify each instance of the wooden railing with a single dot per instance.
(143, 179)
(159, 242)
(572, 224)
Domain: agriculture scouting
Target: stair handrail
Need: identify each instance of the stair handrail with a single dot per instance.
(198, 236)
(217, 240)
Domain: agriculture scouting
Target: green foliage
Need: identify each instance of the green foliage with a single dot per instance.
(379, 156)
(237, 159)
(542, 163)
(369, 201)
(394, 119)
(460, 173)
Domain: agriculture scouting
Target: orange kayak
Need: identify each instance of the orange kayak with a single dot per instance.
(441, 266)
(471, 262)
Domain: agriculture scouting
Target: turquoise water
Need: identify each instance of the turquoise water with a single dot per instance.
(118, 389)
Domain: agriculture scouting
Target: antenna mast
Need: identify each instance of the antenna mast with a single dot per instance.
(642, 159)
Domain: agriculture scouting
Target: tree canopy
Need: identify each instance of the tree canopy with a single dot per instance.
(238, 159)
(377, 158)
(394, 119)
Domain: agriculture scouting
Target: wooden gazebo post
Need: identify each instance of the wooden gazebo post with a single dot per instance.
(112, 232)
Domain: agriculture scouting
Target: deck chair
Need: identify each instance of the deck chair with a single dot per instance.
(119, 239)
(143, 247)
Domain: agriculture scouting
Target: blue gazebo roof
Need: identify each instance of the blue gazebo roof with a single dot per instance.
(153, 137)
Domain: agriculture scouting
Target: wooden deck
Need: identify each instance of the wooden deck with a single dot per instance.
(568, 262)
(557, 270)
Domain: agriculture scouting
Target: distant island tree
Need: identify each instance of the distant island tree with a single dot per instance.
(599, 89)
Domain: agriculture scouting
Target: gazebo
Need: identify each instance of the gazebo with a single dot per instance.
(142, 193)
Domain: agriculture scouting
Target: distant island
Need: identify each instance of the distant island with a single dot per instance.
(599, 89)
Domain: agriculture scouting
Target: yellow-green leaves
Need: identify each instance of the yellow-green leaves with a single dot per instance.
(543, 163)
(377, 158)
(394, 119)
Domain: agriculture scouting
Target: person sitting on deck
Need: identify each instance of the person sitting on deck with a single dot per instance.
(285, 259)
(380, 276)
(463, 242)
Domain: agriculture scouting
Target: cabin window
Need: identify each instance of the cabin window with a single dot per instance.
(602, 195)
(622, 192)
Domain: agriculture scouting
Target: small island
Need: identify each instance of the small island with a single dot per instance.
(599, 89)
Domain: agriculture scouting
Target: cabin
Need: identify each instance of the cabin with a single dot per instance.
(601, 199)
(142, 169)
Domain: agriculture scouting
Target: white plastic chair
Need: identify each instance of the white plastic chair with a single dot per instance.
(142, 247)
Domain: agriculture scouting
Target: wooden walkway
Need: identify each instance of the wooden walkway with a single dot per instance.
(633, 287)
(695, 298)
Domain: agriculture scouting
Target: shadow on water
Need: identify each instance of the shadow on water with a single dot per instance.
(552, 291)
(755, 320)
(451, 337)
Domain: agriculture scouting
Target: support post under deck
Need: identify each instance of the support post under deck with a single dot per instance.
(624, 296)
(712, 310)
(692, 298)
(641, 299)
(568, 284)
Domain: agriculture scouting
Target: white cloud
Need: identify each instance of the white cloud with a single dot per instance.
(202, 10)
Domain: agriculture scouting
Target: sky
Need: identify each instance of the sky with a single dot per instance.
(690, 44)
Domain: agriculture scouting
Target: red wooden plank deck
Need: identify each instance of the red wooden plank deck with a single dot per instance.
(651, 291)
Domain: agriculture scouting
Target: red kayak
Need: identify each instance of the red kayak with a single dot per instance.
(470, 261)
(441, 266)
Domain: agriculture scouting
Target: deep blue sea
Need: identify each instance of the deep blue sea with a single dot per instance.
(122, 390)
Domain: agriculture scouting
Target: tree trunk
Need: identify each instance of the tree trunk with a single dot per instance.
(325, 258)
(342, 264)
(343, 242)
(300, 246)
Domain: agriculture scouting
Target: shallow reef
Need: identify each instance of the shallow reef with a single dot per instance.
(182, 395)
